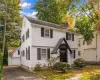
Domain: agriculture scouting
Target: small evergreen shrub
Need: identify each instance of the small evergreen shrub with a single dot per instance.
(37, 67)
(61, 66)
(80, 63)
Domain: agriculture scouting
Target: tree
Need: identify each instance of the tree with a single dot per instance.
(88, 19)
(9, 18)
(53, 10)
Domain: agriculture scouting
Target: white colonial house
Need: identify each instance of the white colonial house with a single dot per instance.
(90, 51)
(14, 56)
(41, 40)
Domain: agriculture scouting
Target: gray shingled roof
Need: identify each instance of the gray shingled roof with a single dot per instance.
(58, 45)
(36, 21)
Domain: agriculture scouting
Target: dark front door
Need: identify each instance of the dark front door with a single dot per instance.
(63, 55)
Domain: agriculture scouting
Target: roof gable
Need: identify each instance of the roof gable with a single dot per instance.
(58, 45)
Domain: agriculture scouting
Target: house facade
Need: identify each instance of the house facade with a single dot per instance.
(41, 40)
(90, 51)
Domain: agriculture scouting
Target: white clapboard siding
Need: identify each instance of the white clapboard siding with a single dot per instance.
(36, 41)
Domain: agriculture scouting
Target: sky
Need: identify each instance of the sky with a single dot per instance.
(26, 6)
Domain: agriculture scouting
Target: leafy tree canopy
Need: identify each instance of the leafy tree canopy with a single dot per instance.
(9, 12)
(53, 10)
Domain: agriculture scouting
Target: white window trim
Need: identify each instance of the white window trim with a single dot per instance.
(42, 53)
(45, 33)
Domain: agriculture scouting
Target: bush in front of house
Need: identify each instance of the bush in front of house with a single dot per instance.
(79, 63)
(37, 67)
(61, 66)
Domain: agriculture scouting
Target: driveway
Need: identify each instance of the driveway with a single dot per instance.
(17, 73)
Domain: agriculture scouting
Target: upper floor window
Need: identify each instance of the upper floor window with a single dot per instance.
(23, 38)
(27, 34)
(89, 43)
(79, 53)
(83, 42)
(46, 33)
(79, 43)
(18, 52)
(69, 36)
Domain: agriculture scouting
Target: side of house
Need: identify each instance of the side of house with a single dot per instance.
(90, 51)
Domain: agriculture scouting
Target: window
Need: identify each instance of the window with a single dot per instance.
(28, 53)
(73, 54)
(28, 33)
(89, 43)
(23, 53)
(43, 53)
(18, 52)
(79, 53)
(69, 37)
(23, 38)
(83, 42)
(79, 43)
(47, 33)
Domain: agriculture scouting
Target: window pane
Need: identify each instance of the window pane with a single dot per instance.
(69, 36)
(43, 50)
(43, 56)
(47, 32)
(43, 53)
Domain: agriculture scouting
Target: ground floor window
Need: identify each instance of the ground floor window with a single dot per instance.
(74, 54)
(43, 53)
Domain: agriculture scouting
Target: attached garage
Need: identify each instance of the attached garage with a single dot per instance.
(89, 55)
(14, 57)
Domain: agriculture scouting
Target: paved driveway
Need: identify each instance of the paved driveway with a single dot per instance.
(17, 73)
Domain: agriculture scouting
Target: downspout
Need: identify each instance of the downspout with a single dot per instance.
(96, 48)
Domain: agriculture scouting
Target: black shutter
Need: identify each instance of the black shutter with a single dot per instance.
(66, 36)
(28, 33)
(72, 37)
(18, 52)
(38, 54)
(48, 53)
(28, 52)
(74, 54)
(42, 32)
(51, 33)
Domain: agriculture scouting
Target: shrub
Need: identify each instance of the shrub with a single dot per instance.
(95, 77)
(80, 63)
(61, 66)
(37, 67)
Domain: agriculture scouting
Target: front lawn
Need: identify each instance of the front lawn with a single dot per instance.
(51, 75)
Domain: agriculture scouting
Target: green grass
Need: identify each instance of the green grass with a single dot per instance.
(51, 75)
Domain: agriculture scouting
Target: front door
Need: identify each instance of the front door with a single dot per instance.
(63, 55)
